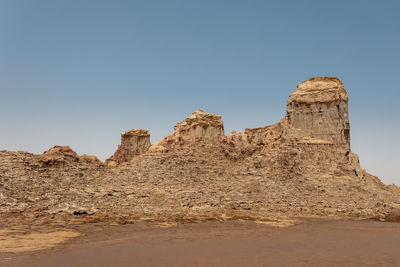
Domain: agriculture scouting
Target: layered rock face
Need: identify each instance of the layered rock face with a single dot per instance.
(134, 142)
(318, 111)
(317, 115)
(199, 127)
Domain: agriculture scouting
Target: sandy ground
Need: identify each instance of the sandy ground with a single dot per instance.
(310, 242)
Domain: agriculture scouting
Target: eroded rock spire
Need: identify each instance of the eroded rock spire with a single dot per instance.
(317, 110)
(134, 142)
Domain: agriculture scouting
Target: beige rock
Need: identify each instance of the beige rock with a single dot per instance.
(90, 159)
(199, 127)
(319, 89)
(58, 155)
(300, 166)
(134, 142)
(317, 113)
(318, 110)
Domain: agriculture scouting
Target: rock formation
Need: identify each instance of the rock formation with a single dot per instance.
(199, 127)
(59, 154)
(318, 110)
(300, 166)
(133, 143)
(317, 113)
(63, 155)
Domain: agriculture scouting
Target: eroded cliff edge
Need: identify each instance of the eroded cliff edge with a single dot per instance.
(300, 166)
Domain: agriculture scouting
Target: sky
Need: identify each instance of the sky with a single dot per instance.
(79, 73)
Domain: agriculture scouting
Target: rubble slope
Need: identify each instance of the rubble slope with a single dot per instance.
(301, 166)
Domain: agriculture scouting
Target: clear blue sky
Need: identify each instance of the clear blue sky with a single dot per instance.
(79, 72)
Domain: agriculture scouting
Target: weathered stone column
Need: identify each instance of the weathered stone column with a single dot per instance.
(318, 110)
(133, 143)
(201, 126)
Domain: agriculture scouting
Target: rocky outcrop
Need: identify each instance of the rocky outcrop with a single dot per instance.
(58, 155)
(90, 159)
(64, 155)
(300, 166)
(200, 127)
(134, 142)
(317, 112)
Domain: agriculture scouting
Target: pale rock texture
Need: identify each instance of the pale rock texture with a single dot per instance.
(134, 142)
(90, 159)
(58, 155)
(301, 166)
(317, 111)
(317, 114)
(199, 127)
(64, 155)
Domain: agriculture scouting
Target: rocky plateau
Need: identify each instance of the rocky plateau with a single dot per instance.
(301, 166)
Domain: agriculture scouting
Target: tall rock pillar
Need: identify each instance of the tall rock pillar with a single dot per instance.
(133, 142)
(318, 111)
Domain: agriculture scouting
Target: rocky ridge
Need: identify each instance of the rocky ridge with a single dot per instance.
(301, 166)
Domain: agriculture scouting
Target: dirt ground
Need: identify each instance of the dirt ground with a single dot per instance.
(305, 242)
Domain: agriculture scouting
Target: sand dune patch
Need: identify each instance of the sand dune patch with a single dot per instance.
(17, 241)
